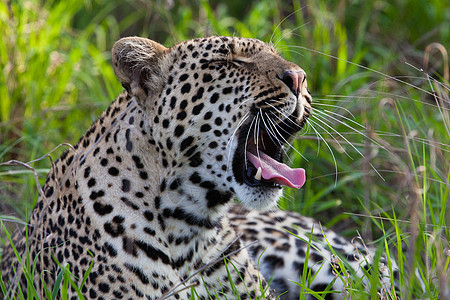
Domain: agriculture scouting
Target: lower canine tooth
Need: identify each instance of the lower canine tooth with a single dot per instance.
(258, 174)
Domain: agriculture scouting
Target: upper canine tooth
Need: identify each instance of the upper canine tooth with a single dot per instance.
(258, 174)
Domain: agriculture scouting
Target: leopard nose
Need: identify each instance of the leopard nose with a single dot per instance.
(294, 80)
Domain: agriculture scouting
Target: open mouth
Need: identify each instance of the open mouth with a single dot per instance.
(258, 161)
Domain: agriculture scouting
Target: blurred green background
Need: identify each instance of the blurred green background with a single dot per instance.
(378, 144)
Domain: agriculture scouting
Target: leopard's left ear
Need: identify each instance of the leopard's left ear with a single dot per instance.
(135, 60)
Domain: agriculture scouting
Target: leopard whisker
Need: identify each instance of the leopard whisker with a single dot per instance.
(230, 141)
(322, 110)
(309, 121)
(281, 120)
(286, 142)
(246, 142)
(279, 24)
(278, 101)
(356, 149)
(289, 32)
(332, 136)
(335, 106)
(284, 115)
(321, 118)
(351, 128)
(243, 102)
(257, 137)
(254, 131)
(270, 132)
(284, 130)
(290, 50)
(243, 119)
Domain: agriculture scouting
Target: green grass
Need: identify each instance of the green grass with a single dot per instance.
(385, 168)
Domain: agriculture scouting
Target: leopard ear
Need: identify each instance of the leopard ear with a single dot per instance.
(135, 60)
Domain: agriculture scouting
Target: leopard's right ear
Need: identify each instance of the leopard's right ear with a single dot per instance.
(135, 60)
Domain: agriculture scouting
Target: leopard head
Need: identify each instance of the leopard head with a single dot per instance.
(221, 110)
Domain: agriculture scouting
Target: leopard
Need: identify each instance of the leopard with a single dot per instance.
(143, 206)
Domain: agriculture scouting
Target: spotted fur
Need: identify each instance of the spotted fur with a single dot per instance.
(145, 195)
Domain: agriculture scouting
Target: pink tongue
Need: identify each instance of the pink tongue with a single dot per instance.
(276, 171)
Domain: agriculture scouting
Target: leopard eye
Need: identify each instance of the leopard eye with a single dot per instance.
(239, 63)
(217, 64)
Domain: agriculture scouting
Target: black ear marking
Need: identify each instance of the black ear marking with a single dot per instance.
(127, 87)
(231, 47)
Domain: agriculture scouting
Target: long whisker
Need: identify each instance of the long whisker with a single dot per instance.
(243, 119)
(257, 137)
(339, 115)
(281, 22)
(289, 32)
(281, 120)
(329, 148)
(230, 141)
(272, 135)
(269, 130)
(347, 96)
(354, 129)
(290, 50)
(340, 100)
(284, 115)
(286, 118)
(243, 102)
(336, 106)
(356, 149)
(332, 136)
(287, 143)
(246, 142)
